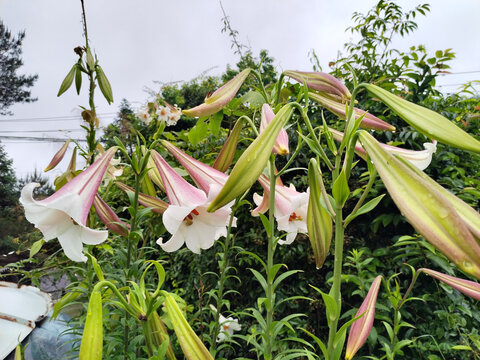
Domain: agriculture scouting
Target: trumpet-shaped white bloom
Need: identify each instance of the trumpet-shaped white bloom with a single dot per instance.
(144, 115)
(227, 327)
(186, 218)
(63, 215)
(291, 208)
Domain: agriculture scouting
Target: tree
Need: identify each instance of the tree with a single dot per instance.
(13, 87)
(8, 181)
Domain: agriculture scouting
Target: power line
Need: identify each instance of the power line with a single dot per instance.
(37, 139)
(55, 118)
(39, 131)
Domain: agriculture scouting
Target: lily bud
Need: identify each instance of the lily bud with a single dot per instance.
(108, 217)
(252, 162)
(153, 173)
(361, 328)
(159, 333)
(220, 97)
(321, 81)
(58, 156)
(225, 157)
(467, 287)
(368, 122)
(426, 121)
(191, 345)
(434, 214)
(319, 222)
(92, 340)
(281, 144)
(158, 206)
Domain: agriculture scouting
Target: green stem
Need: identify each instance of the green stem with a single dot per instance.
(221, 281)
(262, 88)
(251, 123)
(271, 250)
(337, 278)
(312, 133)
(360, 202)
(278, 89)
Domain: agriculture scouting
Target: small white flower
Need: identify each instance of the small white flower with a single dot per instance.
(227, 327)
(144, 115)
(163, 113)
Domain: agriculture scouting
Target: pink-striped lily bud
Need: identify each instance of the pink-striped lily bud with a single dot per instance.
(319, 222)
(444, 220)
(206, 177)
(426, 121)
(467, 287)
(220, 98)
(108, 217)
(361, 327)
(225, 157)
(281, 144)
(368, 122)
(252, 162)
(321, 81)
(419, 158)
(58, 156)
(153, 173)
(158, 206)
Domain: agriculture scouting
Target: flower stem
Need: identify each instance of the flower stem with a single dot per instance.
(337, 278)
(270, 252)
(221, 281)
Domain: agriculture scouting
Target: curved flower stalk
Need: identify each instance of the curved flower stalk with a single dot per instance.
(186, 218)
(434, 214)
(220, 97)
(321, 81)
(361, 328)
(368, 122)
(206, 177)
(291, 208)
(467, 287)
(426, 121)
(281, 144)
(64, 214)
(420, 159)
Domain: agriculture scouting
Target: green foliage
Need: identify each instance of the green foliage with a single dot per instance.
(14, 87)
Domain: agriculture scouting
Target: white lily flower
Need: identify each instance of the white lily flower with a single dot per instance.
(186, 218)
(227, 327)
(144, 115)
(291, 208)
(64, 214)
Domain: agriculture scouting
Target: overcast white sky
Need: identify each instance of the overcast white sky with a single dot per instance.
(140, 41)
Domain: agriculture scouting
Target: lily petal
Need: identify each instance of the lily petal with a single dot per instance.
(467, 287)
(281, 144)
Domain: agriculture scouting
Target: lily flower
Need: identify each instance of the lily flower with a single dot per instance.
(444, 220)
(368, 122)
(64, 214)
(290, 210)
(186, 218)
(281, 144)
(227, 327)
(420, 159)
(361, 327)
(206, 177)
(321, 81)
(221, 97)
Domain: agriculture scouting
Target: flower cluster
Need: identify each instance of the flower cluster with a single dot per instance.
(169, 114)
